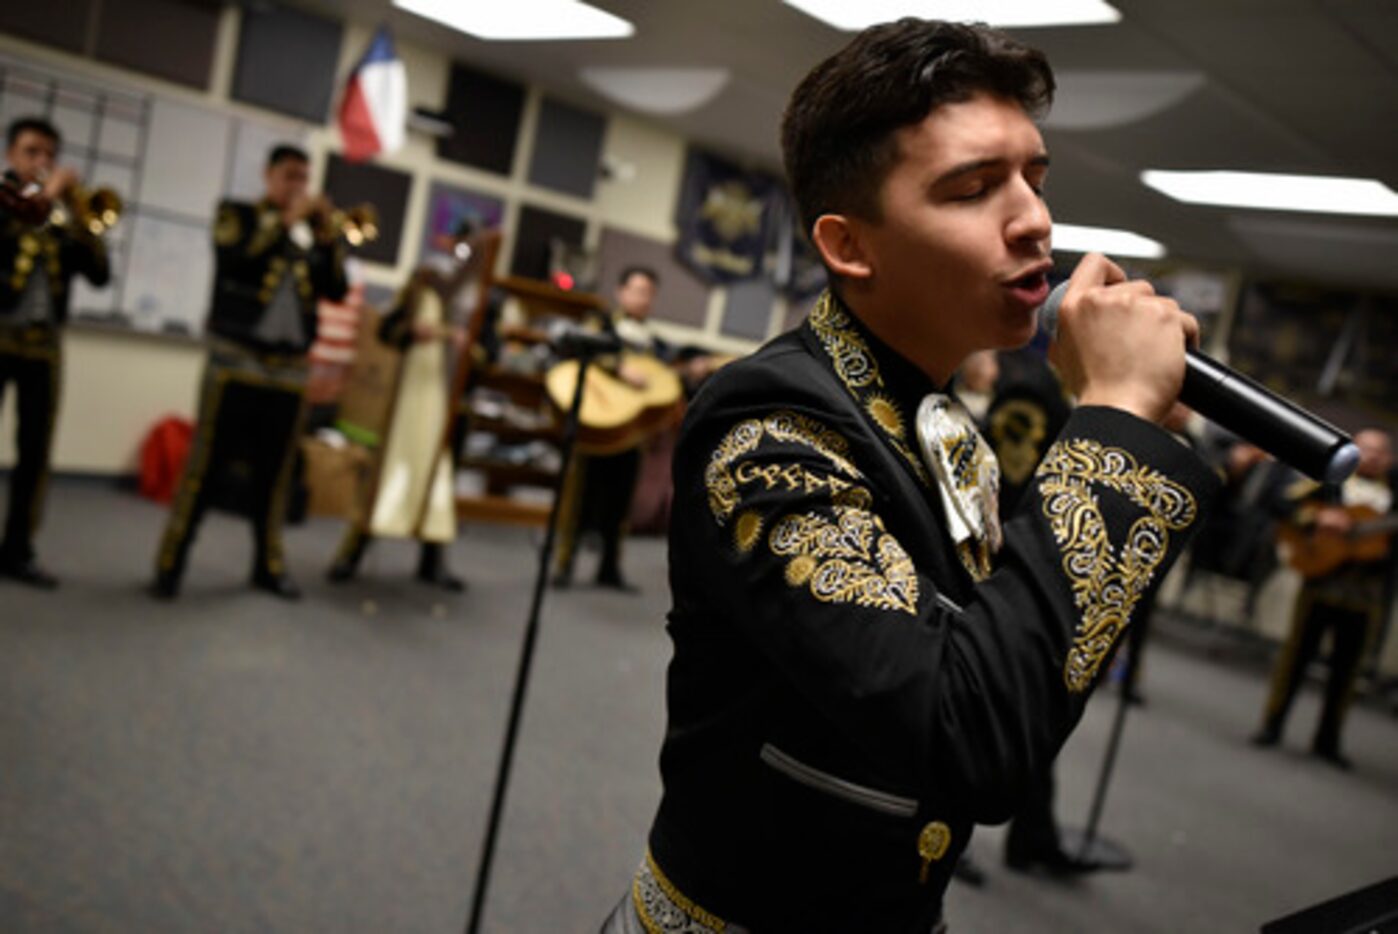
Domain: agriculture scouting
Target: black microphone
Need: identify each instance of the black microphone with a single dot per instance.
(576, 342)
(1228, 398)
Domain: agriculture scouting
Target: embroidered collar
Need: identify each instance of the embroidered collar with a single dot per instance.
(942, 448)
(881, 381)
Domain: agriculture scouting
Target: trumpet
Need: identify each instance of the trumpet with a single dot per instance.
(95, 210)
(358, 225)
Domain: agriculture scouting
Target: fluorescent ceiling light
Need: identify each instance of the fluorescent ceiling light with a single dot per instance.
(849, 16)
(1268, 191)
(516, 20)
(1072, 238)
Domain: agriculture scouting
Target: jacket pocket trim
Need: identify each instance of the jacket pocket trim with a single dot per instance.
(871, 798)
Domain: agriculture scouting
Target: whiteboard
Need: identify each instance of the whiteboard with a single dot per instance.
(168, 276)
(185, 150)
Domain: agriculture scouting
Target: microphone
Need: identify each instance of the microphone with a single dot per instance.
(1251, 411)
(575, 342)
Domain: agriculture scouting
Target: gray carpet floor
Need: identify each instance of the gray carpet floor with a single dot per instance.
(233, 763)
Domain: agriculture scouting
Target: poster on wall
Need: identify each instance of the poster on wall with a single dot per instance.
(726, 218)
(448, 207)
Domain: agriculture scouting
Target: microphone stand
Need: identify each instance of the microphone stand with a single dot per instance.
(526, 657)
(1085, 845)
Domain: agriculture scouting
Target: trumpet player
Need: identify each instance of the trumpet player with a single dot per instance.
(38, 259)
(274, 260)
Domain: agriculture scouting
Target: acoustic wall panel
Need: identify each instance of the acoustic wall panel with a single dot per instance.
(537, 228)
(171, 39)
(484, 112)
(681, 297)
(63, 23)
(349, 184)
(567, 147)
(286, 61)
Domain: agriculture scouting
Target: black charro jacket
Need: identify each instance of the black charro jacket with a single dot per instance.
(64, 251)
(253, 251)
(849, 693)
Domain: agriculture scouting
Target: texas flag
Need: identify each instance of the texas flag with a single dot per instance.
(374, 110)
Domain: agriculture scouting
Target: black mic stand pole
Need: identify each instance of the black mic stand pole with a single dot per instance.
(1085, 845)
(526, 656)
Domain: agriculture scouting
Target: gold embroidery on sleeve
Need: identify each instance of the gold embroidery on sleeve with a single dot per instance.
(1106, 583)
(850, 560)
(229, 227)
(747, 530)
(783, 426)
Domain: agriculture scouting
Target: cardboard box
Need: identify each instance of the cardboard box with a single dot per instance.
(337, 478)
(368, 397)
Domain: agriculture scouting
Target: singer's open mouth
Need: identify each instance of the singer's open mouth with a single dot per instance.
(1031, 288)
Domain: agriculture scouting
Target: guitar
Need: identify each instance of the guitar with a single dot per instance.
(616, 415)
(1314, 554)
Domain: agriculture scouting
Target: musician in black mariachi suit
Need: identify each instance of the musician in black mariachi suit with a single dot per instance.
(1350, 601)
(271, 268)
(38, 260)
(866, 662)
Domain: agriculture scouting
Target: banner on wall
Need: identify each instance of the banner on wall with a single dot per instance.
(726, 219)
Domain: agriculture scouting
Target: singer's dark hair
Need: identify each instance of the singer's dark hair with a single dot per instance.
(630, 271)
(284, 151)
(31, 125)
(838, 131)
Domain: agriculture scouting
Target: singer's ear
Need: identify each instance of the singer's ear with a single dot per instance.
(838, 239)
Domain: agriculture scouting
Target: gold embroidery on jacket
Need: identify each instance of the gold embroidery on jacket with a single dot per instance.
(784, 426)
(858, 369)
(852, 559)
(662, 907)
(1106, 583)
(747, 530)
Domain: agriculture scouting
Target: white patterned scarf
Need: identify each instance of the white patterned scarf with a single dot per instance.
(968, 475)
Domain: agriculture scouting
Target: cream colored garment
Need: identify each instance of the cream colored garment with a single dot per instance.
(415, 462)
(967, 472)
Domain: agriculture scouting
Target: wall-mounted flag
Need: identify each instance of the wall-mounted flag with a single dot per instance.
(374, 109)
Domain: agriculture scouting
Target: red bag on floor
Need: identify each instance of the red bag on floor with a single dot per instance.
(163, 455)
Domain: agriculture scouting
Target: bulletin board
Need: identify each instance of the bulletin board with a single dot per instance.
(171, 161)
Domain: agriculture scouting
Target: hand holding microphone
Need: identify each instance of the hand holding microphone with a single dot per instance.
(1117, 343)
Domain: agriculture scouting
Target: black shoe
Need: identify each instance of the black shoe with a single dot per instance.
(442, 578)
(1333, 757)
(29, 573)
(278, 585)
(562, 580)
(341, 571)
(1054, 862)
(164, 587)
(1266, 737)
(1135, 699)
